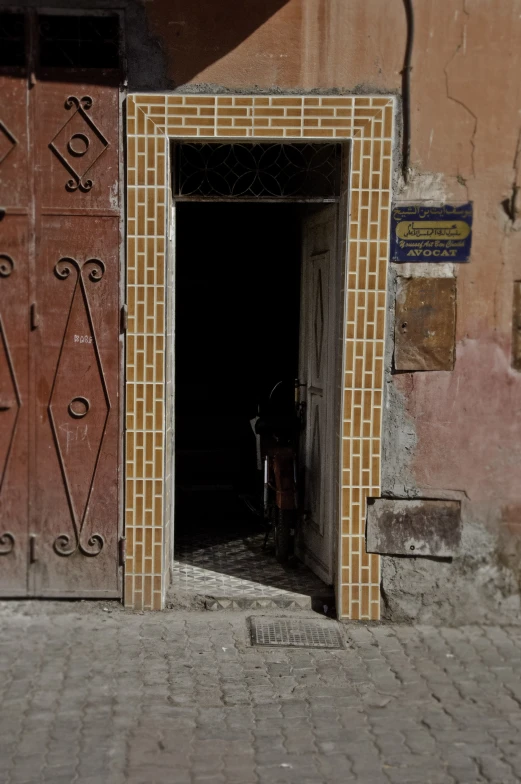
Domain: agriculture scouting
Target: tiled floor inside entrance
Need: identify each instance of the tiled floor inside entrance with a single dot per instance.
(219, 555)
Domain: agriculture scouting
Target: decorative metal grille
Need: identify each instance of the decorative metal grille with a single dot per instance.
(293, 171)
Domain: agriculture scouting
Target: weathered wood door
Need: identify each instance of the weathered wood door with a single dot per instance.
(59, 323)
(317, 370)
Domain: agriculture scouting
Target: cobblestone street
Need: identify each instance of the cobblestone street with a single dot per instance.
(92, 694)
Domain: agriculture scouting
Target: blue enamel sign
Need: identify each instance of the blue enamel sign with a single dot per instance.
(420, 233)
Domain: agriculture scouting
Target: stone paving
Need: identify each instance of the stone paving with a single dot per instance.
(92, 694)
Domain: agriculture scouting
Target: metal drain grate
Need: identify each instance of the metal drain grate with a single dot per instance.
(294, 633)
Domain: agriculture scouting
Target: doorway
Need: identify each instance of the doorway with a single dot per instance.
(310, 148)
(252, 308)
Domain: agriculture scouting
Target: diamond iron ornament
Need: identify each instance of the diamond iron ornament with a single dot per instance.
(7, 142)
(79, 144)
(78, 419)
(9, 408)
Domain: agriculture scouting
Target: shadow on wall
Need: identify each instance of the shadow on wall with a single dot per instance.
(204, 31)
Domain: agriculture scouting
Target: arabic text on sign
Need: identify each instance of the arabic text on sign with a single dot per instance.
(440, 230)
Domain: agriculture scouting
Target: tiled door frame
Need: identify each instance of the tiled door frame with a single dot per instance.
(152, 121)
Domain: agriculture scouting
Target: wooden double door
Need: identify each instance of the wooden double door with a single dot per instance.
(59, 333)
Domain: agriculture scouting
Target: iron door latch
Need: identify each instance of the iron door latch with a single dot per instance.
(123, 318)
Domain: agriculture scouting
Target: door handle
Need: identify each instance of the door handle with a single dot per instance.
(5, 406)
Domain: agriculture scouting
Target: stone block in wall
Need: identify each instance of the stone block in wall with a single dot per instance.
(425, 324)
(413, 527)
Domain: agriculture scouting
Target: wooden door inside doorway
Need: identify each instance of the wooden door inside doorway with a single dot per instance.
(319, 373)
(59, 313)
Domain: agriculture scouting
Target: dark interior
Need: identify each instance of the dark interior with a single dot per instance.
(63, 40)
(237, 327)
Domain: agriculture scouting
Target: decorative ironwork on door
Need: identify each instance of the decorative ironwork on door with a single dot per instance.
(87, 368)
(10, 403)
(59, 306)
(7, 142)
(79, 144)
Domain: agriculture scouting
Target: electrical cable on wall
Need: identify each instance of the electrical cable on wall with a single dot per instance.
(406, 90)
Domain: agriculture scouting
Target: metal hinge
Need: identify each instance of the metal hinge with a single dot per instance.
(123, 318)
(122, 550)
(35, 320)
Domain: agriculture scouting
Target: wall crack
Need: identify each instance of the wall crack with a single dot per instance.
(511, 204)
(463, 46)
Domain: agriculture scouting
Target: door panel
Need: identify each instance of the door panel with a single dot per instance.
(317, 369)
(77, 362)
(14, 333)
(76, 510)
(14, 183)
(14, 408)
(76, 146)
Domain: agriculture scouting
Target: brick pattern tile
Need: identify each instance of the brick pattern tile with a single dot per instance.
(147, 197)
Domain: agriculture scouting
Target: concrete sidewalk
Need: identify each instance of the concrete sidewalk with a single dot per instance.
(105, 697)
